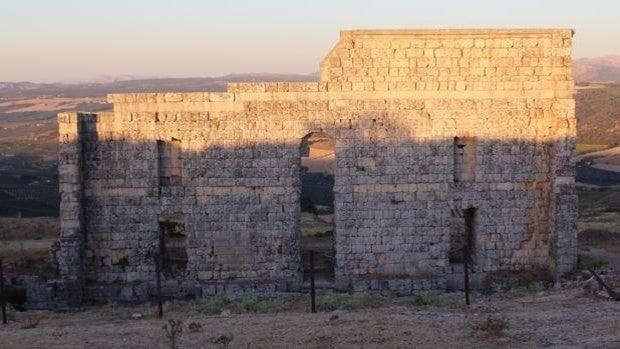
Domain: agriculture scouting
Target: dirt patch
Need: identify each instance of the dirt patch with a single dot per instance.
(47, 104)
(35, 228)
(606, 160)
(545, 319)
(582, 149)
(599, 240)
(597, 115)
(25, 246)
(594, 237)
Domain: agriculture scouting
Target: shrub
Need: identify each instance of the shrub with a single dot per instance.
(493, 325)
(223, 341)
(194, 327)
(30, 323)
(173, 331)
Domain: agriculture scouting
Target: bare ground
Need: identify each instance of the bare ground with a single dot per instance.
(606, 159)
(565, 319)
(47, 104)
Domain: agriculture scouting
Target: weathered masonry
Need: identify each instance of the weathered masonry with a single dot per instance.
(443, 138)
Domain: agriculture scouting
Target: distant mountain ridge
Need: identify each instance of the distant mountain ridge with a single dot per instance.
(98, 89)
(22, 86)
(106, 79)
(598, 69)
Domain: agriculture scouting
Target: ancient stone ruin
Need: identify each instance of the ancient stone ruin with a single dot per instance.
(444, 140)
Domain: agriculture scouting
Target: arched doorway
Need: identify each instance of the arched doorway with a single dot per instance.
(318, 164)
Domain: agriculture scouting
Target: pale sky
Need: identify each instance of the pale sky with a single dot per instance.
(71, 40)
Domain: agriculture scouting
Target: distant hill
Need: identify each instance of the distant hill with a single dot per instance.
(105, 79)
(22, 87)
(29, 89)
(598, 69)
(598, 114)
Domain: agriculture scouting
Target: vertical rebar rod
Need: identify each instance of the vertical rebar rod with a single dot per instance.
(160, 309)
(312, 290)
(466, 273)
(2, 295)
(469, 226)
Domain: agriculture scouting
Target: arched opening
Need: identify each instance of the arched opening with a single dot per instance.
(317, 207)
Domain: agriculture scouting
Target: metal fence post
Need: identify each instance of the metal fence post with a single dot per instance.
(160, 309)
(2, 295)
(312, 290)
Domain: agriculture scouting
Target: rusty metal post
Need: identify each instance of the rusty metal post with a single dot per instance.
(160, 309)
(466, 273)
(469, 226)
(312, 290)
(2, 295)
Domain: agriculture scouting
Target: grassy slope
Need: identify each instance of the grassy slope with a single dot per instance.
(598, 115)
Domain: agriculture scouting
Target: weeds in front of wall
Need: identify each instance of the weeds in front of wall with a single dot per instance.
(330, 300)
(436, 298)
(504, 291)
(260, 305)
(425, 298)
(214, 305)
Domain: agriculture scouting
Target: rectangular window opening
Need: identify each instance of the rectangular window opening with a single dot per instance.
(169, 162)
(464, 159)
(462, 238)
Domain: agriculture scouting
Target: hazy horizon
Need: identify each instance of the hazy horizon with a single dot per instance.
(125, 77)
(71, 41)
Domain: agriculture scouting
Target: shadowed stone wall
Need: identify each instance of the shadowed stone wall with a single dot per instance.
(400, 105)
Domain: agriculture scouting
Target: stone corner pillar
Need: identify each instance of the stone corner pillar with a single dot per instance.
(564, 196)
(70, 180)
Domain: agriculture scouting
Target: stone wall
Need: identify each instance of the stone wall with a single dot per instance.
(394, 101)
(453, 60)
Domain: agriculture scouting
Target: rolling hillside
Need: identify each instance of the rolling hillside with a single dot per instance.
(598, 115)
(598, 69)
(13, 90)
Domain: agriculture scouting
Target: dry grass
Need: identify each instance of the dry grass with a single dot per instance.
(27, 237)
(47, 104)
(609, 221)
(10, 250)
(25, 245)
(492, 326)
(35, 228)
(589, 148)
(534, 321)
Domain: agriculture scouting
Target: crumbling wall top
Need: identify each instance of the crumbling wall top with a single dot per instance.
(452, 60)
(441, 33)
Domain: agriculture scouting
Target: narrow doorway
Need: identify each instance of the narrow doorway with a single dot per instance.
(462, 254)
(462, 238)
(317, 207)
(173, 245)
